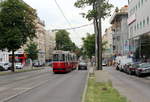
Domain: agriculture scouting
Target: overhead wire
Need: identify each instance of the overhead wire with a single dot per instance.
(73, 28)
(63, 13)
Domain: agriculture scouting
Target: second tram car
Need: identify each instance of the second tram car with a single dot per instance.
(64, 61)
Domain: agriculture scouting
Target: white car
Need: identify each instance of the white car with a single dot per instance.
(18, 65)
(5, 65)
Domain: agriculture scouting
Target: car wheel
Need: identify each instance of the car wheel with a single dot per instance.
(117, 68)
(138, 73)
(130, 73)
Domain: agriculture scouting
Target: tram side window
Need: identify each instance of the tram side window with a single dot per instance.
(56, 57)
(62, 57)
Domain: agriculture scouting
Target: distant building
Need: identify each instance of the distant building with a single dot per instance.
(107, 37)
(40, 40)
(50, 44)
(120, 31)
(138, 21)
(4, 56)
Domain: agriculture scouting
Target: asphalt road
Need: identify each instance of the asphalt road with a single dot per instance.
(42, 86)
(134, 88)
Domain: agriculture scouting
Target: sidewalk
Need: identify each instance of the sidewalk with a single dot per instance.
(102, 76)
(127, 86)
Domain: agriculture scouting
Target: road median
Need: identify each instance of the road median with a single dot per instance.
(101, 90)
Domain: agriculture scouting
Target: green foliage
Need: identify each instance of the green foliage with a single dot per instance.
(144, 49)
(89, 45)
(63, 41)
(104, 8)
(17, 24)
(32, 51)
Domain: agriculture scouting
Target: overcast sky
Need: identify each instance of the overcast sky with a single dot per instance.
(49, 12)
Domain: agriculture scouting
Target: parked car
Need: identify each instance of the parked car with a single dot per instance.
(82, 66)
(143, 69)
(131, 68)
(37, 63)
(122, 61)
(18, 65)
(4, 66)
(104, 63)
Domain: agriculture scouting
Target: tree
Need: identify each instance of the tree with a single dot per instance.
(17, 25)
(101, 9)
(144, 47)
(32, 51)
(89, 45)
(63, 41)
(105, 8)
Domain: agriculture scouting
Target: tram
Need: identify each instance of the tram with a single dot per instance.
(64, 61)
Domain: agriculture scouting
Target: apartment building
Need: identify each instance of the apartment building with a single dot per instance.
(120, 31)
(138, 21)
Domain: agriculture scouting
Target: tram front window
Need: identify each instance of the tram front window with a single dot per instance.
(59, 57)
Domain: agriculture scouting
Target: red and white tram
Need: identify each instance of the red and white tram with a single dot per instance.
(63, 61)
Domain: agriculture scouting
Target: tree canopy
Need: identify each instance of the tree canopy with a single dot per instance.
(63, 41)
(104, 8)
(32, 51)
(88, 47)
(17, 24)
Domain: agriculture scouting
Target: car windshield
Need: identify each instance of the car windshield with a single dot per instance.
(6, 64)
(145, 65)
(135, 65)
(82, 63)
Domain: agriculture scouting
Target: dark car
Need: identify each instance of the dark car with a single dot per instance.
(131, 68)
(82, 66)
(143, 69)
(126, 66)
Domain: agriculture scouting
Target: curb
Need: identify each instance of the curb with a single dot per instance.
(19, 71)
(85, 88)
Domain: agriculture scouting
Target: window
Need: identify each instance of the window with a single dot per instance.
(131, 30)
(144, 23)
(136, 7)
(148, 20)
(142, 1)
(137, 26)
(140, 25)
(139, 4)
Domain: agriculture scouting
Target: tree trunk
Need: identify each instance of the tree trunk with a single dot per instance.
(13, 61)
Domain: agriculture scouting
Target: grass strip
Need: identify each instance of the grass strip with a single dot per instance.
(102, 92)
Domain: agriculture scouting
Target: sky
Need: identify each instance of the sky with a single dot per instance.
(48, 11)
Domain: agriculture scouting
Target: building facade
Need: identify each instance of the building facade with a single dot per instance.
(138, 21)
(50, 44)
(4, 56)
(120, 31)
(107, 37)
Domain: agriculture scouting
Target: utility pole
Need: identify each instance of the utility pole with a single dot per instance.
(99, 35)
